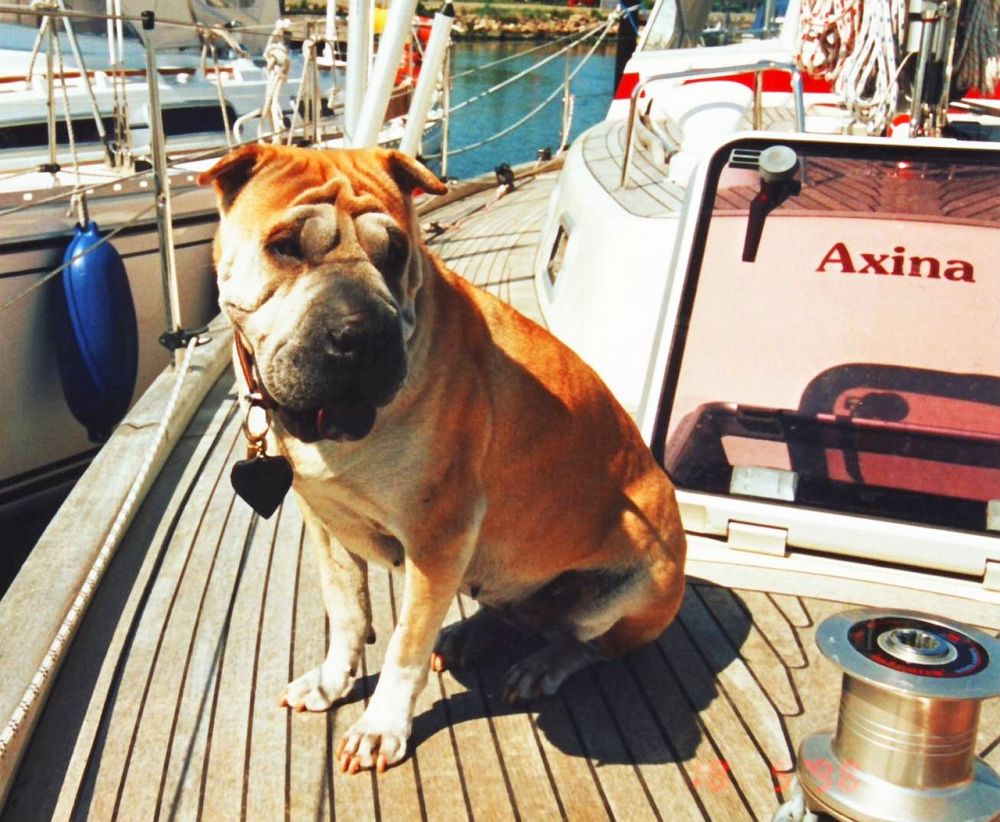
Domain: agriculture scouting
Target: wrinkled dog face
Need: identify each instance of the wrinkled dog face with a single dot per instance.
(321, 280)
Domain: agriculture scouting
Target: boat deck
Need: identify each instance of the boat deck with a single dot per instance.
(649, 192)
(165, 707)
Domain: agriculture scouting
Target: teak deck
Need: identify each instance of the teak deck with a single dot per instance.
(166, 705)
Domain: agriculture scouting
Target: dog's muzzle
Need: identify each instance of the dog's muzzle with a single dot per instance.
(345, 360)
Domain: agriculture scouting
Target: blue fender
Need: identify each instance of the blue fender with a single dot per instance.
(97, 340)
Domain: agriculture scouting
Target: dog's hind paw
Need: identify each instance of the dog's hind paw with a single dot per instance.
(365, 746)
(461, 644)
(540, 674)
(317, 690)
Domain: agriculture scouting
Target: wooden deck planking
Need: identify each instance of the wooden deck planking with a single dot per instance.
(92, 662)
(497, 253)
(486, 785)
(268, 792)
(707, 789)
(216, 610)
(308, 758)
(129, 771)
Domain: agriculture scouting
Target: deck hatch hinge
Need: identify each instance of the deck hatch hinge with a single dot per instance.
(759, 539)
(991, 579)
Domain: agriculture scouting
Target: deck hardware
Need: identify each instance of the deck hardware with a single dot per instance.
(777, 166)
(993, 515)
(769, 483)
(172, 340)
(904, 747)
(718, 71)
(758, 539)
(991, 579)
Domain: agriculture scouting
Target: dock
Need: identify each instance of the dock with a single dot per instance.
(166, 704)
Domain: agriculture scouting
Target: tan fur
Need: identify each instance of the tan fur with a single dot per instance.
(502, 463)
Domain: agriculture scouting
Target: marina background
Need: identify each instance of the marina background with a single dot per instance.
(592, 89)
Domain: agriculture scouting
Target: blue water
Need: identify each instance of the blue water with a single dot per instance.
(592, 89)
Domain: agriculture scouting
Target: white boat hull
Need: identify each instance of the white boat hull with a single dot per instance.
(41, 439)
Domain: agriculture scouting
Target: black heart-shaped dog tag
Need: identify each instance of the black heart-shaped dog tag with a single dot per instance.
(262, 482)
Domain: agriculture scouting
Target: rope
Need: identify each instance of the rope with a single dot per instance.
(80, 204)
(855, 44)
(827, 32)
(119, 86)
(206, 46)
(979, 63)
(50, 661)
(308, 54)
(278, 65)
(866, 81)
(38, 5)
(536, 109)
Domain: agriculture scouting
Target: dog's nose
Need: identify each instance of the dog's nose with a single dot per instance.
(354, 342)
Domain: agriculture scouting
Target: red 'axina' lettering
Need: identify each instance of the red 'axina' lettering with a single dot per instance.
(839, 258)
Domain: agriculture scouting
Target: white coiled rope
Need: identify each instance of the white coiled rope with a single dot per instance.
(855, 44)
(53, 657)
(867, 80)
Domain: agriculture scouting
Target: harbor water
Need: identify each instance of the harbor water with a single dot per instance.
(473, 72)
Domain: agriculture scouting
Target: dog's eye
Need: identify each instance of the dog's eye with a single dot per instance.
(285, 246)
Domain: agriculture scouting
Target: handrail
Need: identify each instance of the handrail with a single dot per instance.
(757, 68)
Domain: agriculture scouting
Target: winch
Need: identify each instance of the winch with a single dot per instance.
(904, 747)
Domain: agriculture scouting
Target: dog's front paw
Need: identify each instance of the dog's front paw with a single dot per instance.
(318, 689)
(370, 744)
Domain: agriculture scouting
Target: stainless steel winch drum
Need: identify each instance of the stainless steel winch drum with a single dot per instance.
(904, 748)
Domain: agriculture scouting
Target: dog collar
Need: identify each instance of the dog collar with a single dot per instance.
(260, 480)
(255, 392)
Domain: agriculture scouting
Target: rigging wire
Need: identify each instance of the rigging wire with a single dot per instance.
(525, 53)
(533, 67)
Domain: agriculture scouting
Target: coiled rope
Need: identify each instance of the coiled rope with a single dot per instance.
(827, 31)
(866, 81)
(855, 44)
(52, 658)
(978, 66)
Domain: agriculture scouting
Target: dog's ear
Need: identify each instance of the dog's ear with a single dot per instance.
(410, 174)
(233, 172)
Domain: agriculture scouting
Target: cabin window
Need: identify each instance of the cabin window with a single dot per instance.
(195, 119)
(686, 23)
(558, 254)
(853, 366)
(30, 135)
(176, 122)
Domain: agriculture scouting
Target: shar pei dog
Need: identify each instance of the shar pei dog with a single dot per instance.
(431, 427)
